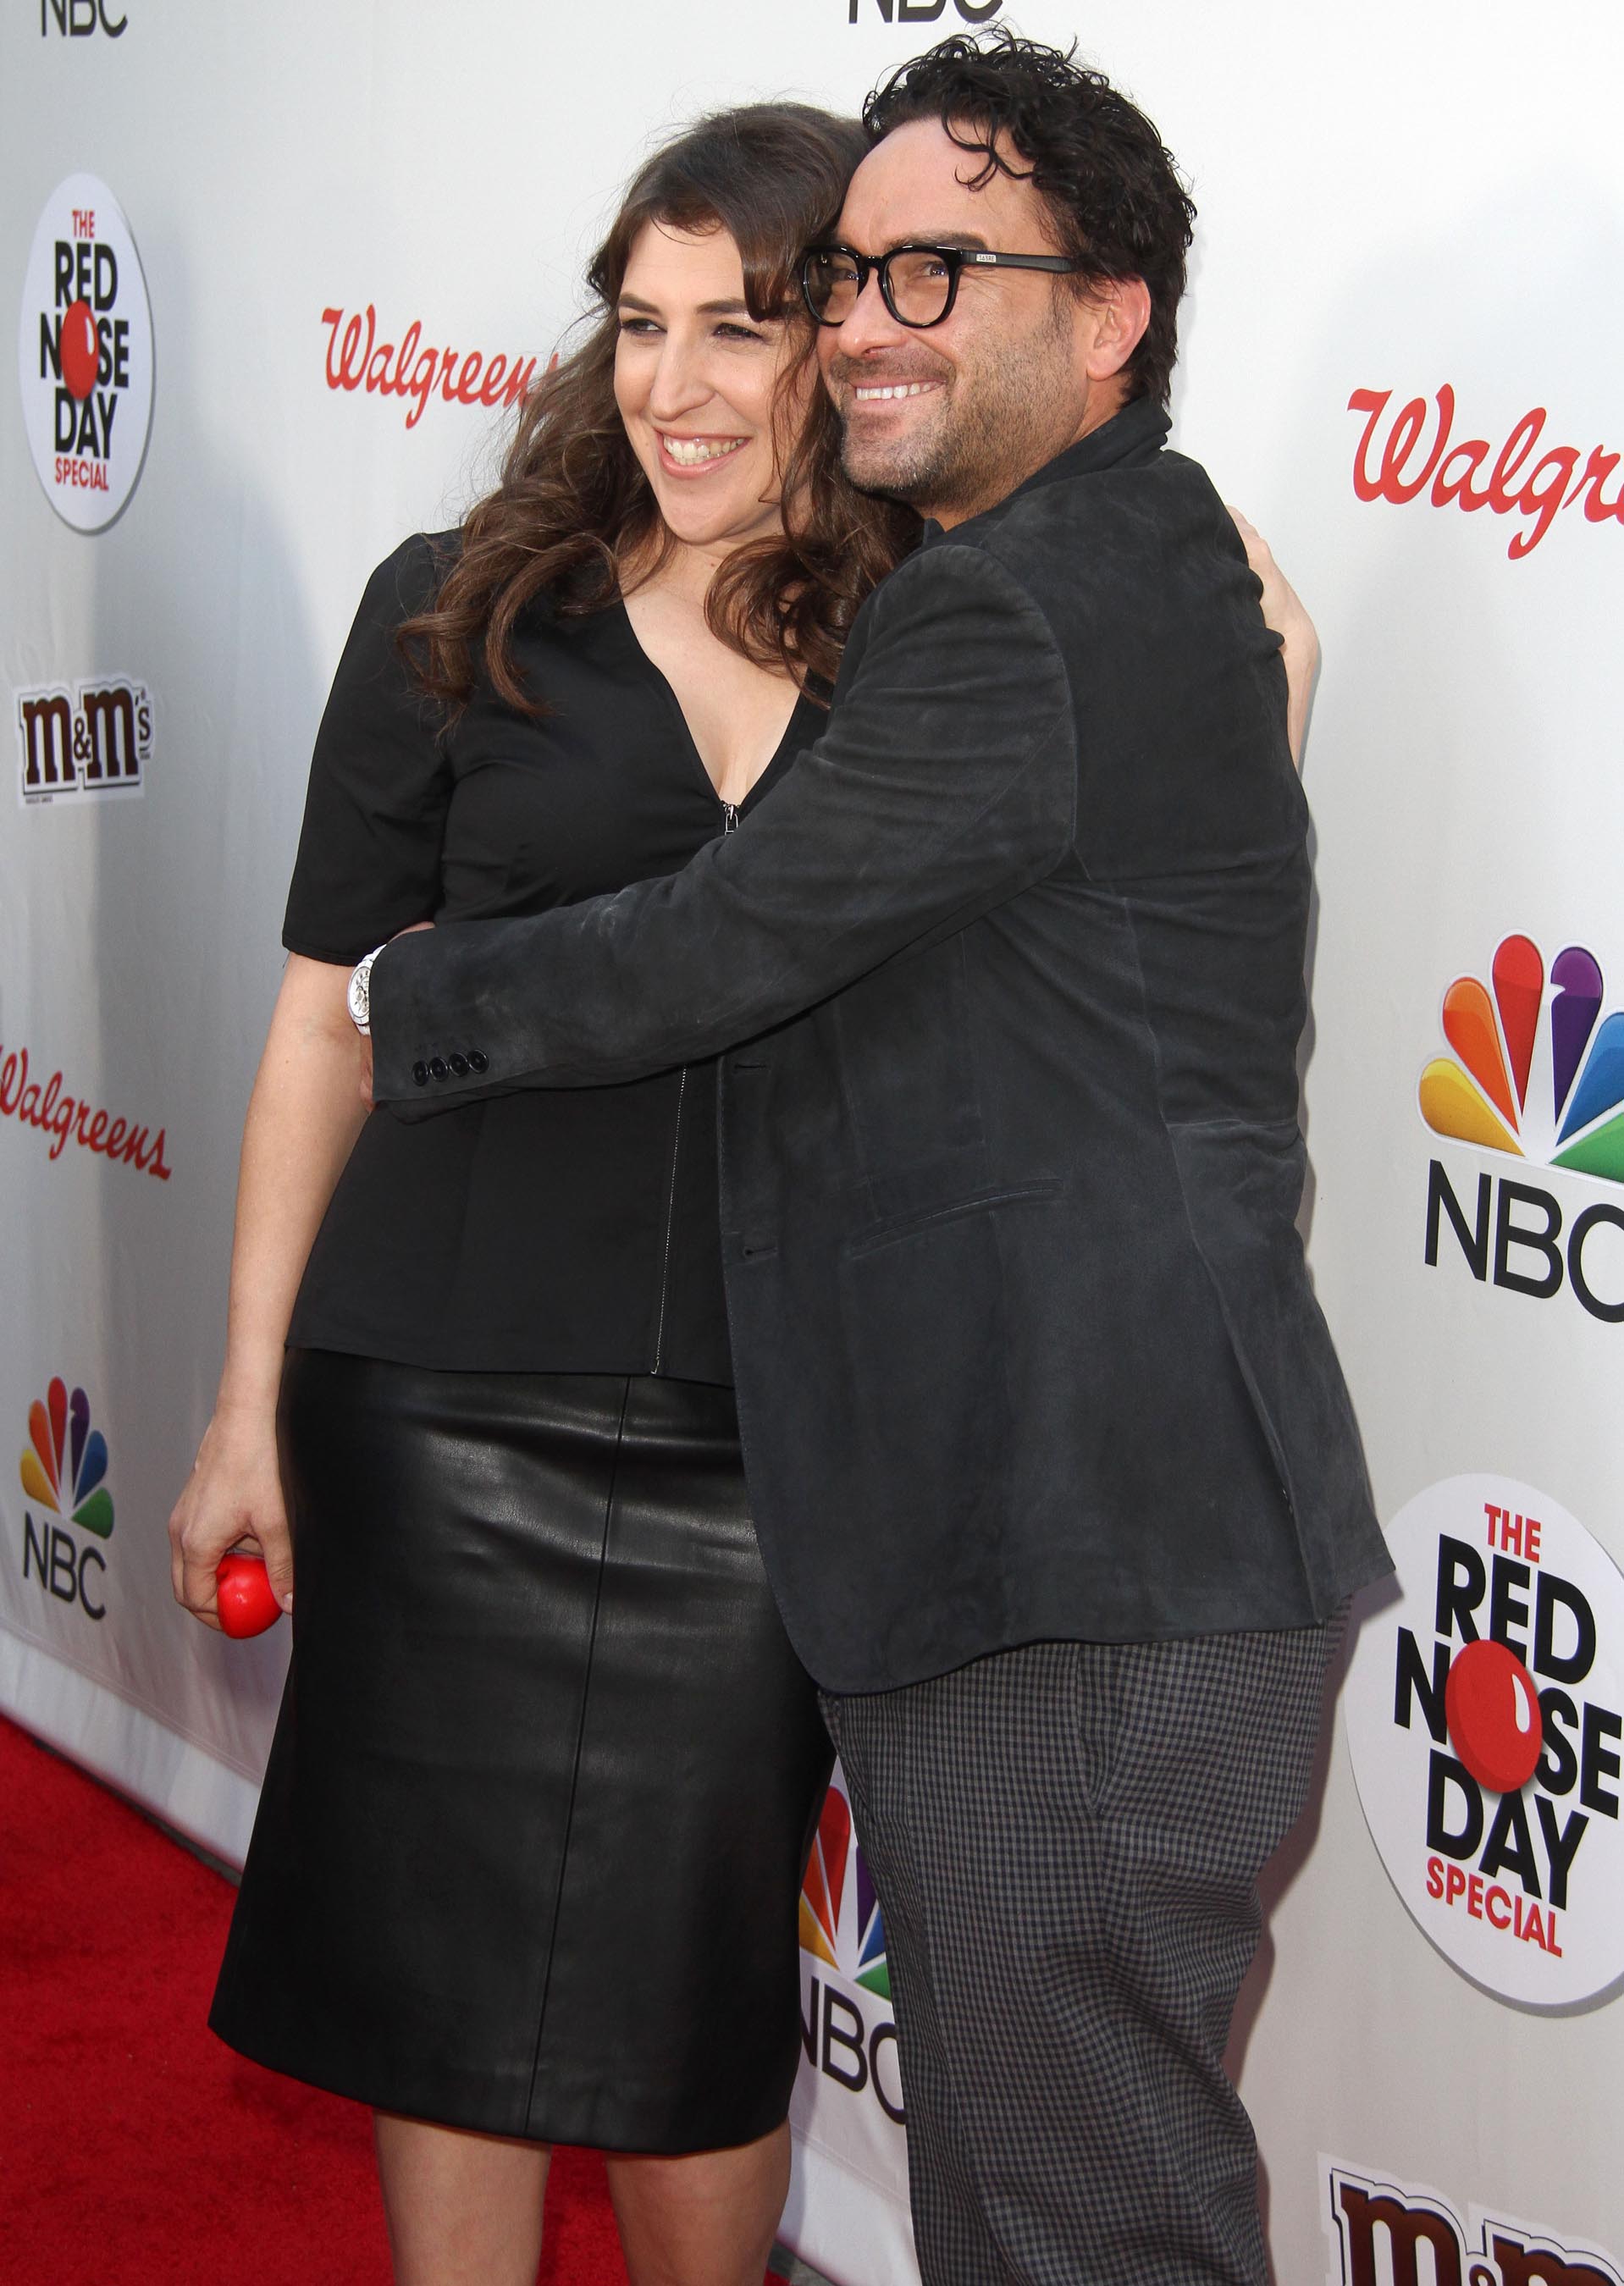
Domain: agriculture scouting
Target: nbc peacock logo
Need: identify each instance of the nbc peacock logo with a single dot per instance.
(63, 1470)
(847, 2028)
(1534, 1073)
(837, 1854)
(59, 1430)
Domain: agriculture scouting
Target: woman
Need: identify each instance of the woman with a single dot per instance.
(529, 1850)
(529, 1853)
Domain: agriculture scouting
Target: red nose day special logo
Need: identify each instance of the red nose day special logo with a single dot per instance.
(1386, 2233)
(84, 355)
(63, 1466)
(1483, 1722)
(844, 2034)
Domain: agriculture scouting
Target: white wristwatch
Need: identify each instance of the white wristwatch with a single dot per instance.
(357, 996)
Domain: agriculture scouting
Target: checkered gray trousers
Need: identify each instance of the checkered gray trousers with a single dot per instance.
(1066, 1841)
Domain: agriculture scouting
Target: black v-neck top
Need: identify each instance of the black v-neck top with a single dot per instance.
(568, 1231)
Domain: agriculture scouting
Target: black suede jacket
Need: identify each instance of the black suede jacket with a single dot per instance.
(1008, 974)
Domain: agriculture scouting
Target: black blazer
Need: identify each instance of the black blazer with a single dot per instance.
(1009, 972)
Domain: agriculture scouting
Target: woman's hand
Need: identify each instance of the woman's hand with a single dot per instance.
(1283, 610)
(302, 1119)
(233, 1499)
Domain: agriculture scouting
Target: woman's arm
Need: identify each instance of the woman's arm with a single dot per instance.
(303, 1117)
(1299, 644)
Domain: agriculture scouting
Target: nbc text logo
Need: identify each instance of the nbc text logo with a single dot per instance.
(63, 1465)
(1534, 1075)
(77, 19)
(927, 12)
(95, 738)
(844, 2036)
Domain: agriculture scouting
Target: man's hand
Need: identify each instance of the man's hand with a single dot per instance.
(366, 1038)
(1299, 644)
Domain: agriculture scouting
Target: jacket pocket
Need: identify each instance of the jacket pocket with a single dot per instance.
(907, 1079)
(896, 1227)
(924, 1341)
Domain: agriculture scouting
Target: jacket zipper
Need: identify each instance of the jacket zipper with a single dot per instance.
(664, 1266)
(729, 825)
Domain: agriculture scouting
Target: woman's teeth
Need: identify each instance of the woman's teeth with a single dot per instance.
(689, 451)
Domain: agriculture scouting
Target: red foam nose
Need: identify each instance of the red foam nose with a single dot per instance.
(1493, 1711)
(246, 1602)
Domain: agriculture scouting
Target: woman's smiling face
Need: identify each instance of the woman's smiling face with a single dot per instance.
(698, 383)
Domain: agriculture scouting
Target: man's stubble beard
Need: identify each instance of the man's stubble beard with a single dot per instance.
(991, 432)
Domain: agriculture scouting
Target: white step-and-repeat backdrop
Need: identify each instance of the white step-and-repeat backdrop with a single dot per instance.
(277, 274)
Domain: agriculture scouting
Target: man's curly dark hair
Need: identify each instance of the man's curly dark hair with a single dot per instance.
(1109, 181)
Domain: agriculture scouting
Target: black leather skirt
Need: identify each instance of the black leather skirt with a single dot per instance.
(529, 1852)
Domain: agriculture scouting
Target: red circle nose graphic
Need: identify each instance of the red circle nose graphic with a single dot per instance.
(1493, 1711)
(81, 352)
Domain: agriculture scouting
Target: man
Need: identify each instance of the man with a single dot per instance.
(1055, 1471)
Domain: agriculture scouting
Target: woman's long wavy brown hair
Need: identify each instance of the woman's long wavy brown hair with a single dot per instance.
(573, 508)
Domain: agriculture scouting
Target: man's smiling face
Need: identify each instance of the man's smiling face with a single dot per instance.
(954, 417)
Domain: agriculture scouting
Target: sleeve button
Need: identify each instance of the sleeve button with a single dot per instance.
(477, 1061)
(458, 1065)
(420, 1075)
(439, 1068)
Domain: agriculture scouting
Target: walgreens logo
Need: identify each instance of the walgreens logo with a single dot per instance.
(1386, 2233)
(357, 358)
(1418, 453)
(66, 1118)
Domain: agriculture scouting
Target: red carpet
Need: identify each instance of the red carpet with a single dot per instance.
(135, 2150)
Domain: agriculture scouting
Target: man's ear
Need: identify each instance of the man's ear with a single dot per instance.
(1114, 314)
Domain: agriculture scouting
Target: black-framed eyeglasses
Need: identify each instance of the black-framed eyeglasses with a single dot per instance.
(918, 284)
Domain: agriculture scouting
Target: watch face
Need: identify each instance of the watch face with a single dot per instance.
(358, 995)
